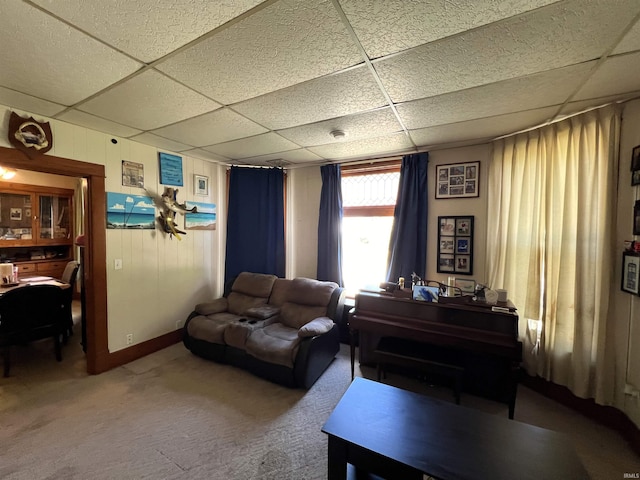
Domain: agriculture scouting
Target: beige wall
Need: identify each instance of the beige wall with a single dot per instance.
(162, 278)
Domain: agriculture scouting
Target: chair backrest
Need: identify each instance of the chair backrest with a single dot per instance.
(70, 273)
(32, 312)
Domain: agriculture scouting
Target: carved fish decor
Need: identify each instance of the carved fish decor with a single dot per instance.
(171, 206)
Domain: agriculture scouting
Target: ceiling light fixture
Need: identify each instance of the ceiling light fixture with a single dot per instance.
(337, 134)
(7, 173)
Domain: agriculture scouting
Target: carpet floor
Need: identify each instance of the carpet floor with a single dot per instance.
(172, 415)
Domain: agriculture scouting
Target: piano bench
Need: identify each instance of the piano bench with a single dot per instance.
(417, 356)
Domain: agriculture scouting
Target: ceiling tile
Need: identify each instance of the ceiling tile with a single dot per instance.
(364, 125)
(147, 29)
(28, 103)
(619, 74)
(203, 154)
(147, 101)
(573, 108)
(292, 156)
(70, 65)
(327, 97)
(219, 126)
(482, 128)
(579, 31)
(161, 143)
(253, 146)
(630, 42)
(365, 147)
(284, 44)
(96, 123)
(543, 89)
(392, 26)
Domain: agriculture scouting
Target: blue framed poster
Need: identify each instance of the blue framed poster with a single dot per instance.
(171, 169)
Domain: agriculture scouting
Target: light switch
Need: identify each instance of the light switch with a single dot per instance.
(117, 264)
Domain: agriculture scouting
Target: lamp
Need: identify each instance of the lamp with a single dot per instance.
(7, 173)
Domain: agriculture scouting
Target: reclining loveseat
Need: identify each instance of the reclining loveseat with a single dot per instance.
(280, 329)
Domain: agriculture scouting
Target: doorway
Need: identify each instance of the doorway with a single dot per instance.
(94, 266)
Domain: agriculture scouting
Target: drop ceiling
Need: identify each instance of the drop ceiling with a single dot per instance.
(250, 82)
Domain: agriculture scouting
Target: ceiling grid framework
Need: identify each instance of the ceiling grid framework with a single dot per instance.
(253, 82)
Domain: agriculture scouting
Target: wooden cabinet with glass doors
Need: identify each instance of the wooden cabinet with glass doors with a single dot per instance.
(36, 228)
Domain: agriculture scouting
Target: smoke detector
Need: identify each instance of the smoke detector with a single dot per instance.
(337, 134)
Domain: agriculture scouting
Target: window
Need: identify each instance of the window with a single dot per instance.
(368, 197)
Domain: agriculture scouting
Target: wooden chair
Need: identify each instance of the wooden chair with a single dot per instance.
(30, 313)
(69, 276)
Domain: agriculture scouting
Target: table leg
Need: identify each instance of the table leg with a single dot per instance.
(337, 459)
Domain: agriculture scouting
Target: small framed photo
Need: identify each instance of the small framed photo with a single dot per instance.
(27, 213)
(15, 214)
(458, 180)
(630, 272)
(635, 178)
(635, 159)
(636, 218)
(132, 174)
(466, 285)
(200, 185)
(455, 244)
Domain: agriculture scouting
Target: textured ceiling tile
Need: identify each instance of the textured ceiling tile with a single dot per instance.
(630, 42)
(392, 26)
(11, 98)
(284, 44)
(363, 148)
(43, 57)
(147, 101)
(219, 126)
(572, 108)
(326, 97)
(620, 74)
(161, 143)
(204, 155)
(253, 146)
(364, 125)
(292, 156)
(525, 93)
(481, 129)
(559, 35)
(96, 123)
(147, 29)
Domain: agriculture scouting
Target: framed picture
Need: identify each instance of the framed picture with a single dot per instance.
(635, 159)
(455, 245)
(630, 272)
(132, 174)
(458, 180)
(170, 169)
(636, 218)
(635, 178)
(200, 185)
(466, 286)
(15, 214)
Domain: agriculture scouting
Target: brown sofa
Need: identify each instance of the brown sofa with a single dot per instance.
(280, 329)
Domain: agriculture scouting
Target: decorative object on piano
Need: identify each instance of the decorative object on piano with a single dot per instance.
(415, 279)
(458, 180)
(466, 285)
(636, 218)
(630, 271)
(455, 244)
(389, 286)
(425, 293)
(502, 295)
(635, 165)
(30, 136)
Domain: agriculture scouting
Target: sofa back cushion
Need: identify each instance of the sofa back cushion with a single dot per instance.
(254, 284)
(295, 316)
(307, 291)
(239, 303)
(280, 291)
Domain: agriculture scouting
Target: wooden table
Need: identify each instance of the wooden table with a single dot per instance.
(398, 434)
(36, 281)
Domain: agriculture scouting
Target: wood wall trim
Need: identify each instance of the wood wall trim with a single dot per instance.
(143, 349)
(608, 416)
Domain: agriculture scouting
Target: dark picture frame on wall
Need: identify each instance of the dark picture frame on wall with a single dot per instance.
(458, 180)
(636, 218)
(635, 166)
(630, 281)
(455, 244)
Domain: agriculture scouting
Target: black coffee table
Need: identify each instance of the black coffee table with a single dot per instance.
(398, 434)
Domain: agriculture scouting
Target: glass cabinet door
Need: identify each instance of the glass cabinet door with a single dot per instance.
(15, 217)
(54, 218)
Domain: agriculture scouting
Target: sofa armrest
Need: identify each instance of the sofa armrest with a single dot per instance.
(317, 326)
(209, 308)
(262, 312)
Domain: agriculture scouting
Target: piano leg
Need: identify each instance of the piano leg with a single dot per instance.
(352, 335)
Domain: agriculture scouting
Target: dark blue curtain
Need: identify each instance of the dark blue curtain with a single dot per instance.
(408, 243)
(255, 224)
(330, 226)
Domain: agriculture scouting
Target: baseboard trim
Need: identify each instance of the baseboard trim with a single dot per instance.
(608, 416)
(143, 349)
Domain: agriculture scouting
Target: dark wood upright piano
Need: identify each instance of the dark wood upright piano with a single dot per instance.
(483, 342)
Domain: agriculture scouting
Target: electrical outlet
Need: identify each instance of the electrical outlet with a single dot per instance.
(129, 338)
(178, 324)
(117, 264)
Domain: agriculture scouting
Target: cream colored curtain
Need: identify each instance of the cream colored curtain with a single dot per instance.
(550, 243)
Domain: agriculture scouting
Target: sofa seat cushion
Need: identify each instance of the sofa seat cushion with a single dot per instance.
(210, 328)
(275, 343)
(317, 326)
(295, 316)
(236, 334)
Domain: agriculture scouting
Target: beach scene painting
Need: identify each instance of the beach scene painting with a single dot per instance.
(130, 211)
(203, 219)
